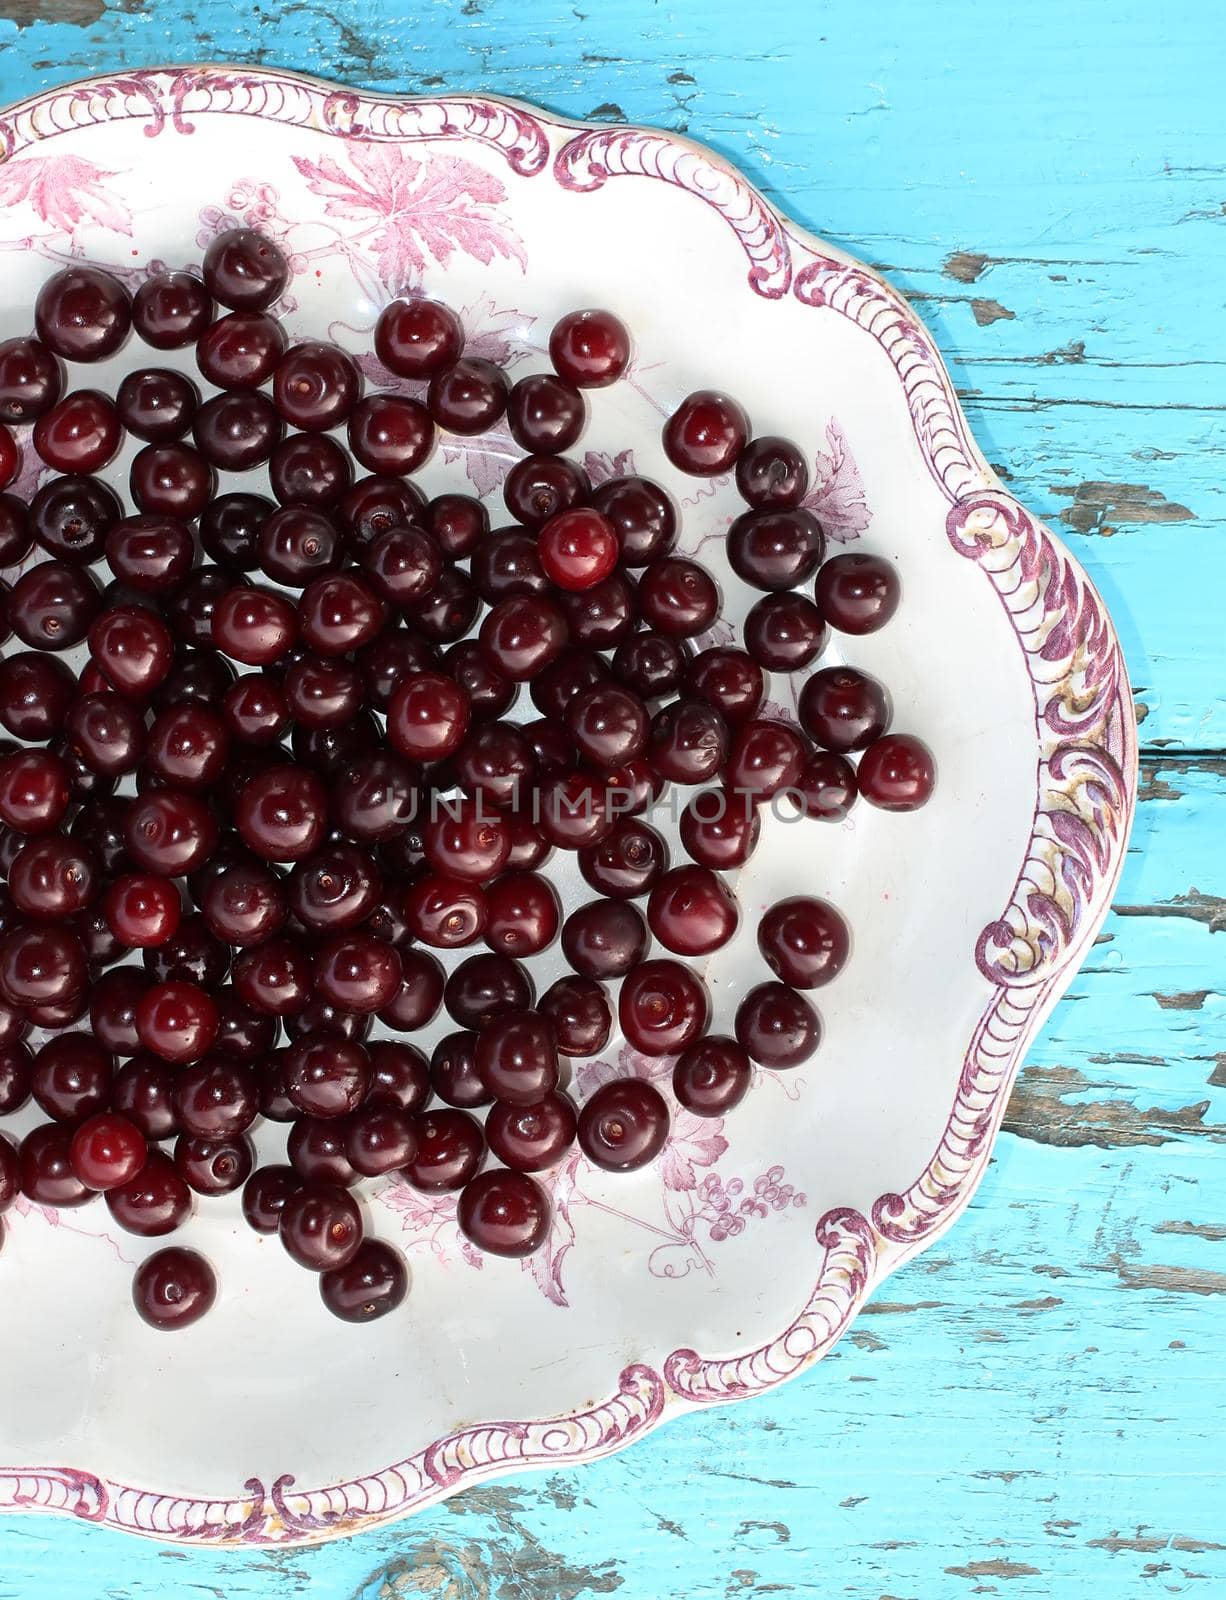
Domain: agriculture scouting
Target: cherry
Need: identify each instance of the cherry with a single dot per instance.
(244, 905)
(174, 1288)
(374, 798)
(575, 670)
(133, 649)
(678, 597)
(264, 1195)
(15, 534)
(692, 911)
(256, 710)
(642, 516)
(712, 1076)
(142, 910)
(546, 414)
(729, 680)
(450, 1150)
(504, 1213)
(590, 349)
(516, 1056)
(237, 431)
(309, 469)
(83, 314)
(453, 1072)
(281, 815)
(420, 993)
(215, 1098)
(777, 1026)
(466, 838)
(338, 614)
(244, 269)
(896, 773)
(188, 746)
(688, 741)
(540, 487)
(156, 404)
(522, 914)
(16, 1070)
(508, 562)
(772, 474)
(153, 1203)
(335, 889)
(241, 350)
(857, 593)
(41, 966)
(458, 523)
(316, 386)
(843, 709)
(418, 338)
(574, 809)
(450, 611)
(171, 310)
(274, 978)
(113, 999)
(47, 1177)
(323, 694)
(469, 396)
(107, 1151)
(784, 632)
(31, 380)
(143, 1092)
(578, 548)
(70, 518)
(374, 1283)
(191, 955)
(35, 693)
(608, 724)
(169, 832)
(357, 973)
(151, 554)
(602, 616)
(326, 1077)
(52, 606)
(605, 939)
(375, 504)
(627, 862)
(804, 941)
(72, 1075)
(662, 1007)
(214, 1166)
(706, 434)
(428, 717)
(316, 1149)
(399, 1074)
(624, 1125)
(403, 565)
(230, 526)
(177, 1022)
(652, 664)
(521, 635)
(34, 791)
(483, 986)
(766, 757)
(390, 433)
(396, 654)
(496, 763)
(532, 1138)
(775, 550)
(445, 912)
(172, 480)
(379, 1139)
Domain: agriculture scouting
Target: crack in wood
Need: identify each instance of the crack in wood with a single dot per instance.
(1209, 909)
(1039, 1110)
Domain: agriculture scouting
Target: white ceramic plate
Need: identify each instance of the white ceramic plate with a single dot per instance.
(738, 1258)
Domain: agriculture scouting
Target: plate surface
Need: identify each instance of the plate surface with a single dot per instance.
(741, 1256)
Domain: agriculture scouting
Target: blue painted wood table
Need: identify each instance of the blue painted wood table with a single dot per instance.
(1035, 1407)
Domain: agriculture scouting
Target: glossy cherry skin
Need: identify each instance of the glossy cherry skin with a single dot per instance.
(142, 910)
(230, 526)
(450, 611)
(83, 314)
(375, 504)
(624, 1125)
(241, 350)
(357, 973)
(627, 862)
(578, 548)
(581, 1015)
(52, 605)
(16, 535)
(574, 809)
(776, 1026)
(483, 986)
(662, 1007)
(214, 1166)
(605, 939)
(729, 680)
(41, 966)
(107, 1151)
(156, 404)
(652, 664)
(540, 487)
(504, 1213)
(190, 955)
(264, 1195)
(706, 434)
(296, 544)
(590, 348)
(678, 597)
(784, 632)
(428, 717)
(153, 1203)
(31, 380)
(174, 1288)
(417, 338)
(113, 999)
(10, 1174)
(177, 1022)
(385, 663)
(71, 1079)
(316, 385)
(133, 649)
(47, 1178)
(374, 797)
(765, 758)
(897, 773)
(274, 978)
(151, 554)
(34, 791)
(143, 1092)
(35, 693)
(403, 565)
(188, 746)
(775, 550)
(70, 519)
(316, 1149)
(521, 635)
(370, 1286)
(507, 562)
(453, 1072)
(399, 1073)
(390, 433)
(379, 1139)
(339, 613)
(282, 814)
(310, 469)
(827, 786)
(545, 413)
(608, 724)
(804, 941)
(843, 709)
(857, 593)
(450, 1149)
(772, 474)
(51, 879)
(254, 626)
(256, 710)
(642, 516)
(688, 742)
(458, 523)
(469, 396)
(712, 1076)
(532, 1138)
(237, 431)
(244, 269)
(692, 911)
(445, 912)
(172, 480)
(517, 1056)
(216, 1098)
(171, 310)
(326, 1077)
(169, 832)
(16, 1071)
(523, 914)
(466, 838)
(495, 762)
(335, 889)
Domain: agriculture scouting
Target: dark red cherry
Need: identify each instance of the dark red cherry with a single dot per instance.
(540, 487)
(156, 404)
(578, 548)
(857, 593)
(172, 480)
(642, 516)
(729, 680)
(706, 434)
(214, 1166)
(688, 742)
(274, 977)
(453, 1072)
(379, 1139)
(504, 1213)
(772, 474)
(356, 972)
(72, 1076)
(445, 912)
(712, 1076)
(310, 469)
(627, 862)
(804, 941)
(532, 1138)
(35, 692)
(652, 664)
(375, 504)
(256, 710)
(827, 786)
(605, 939)
(83, 314)
(777, 1026)
(230, 526)
(428, 717)
(152, 554)
(469, 396)
(399, 1073)
(521, 635)
(775, 550)
(237, 431)
(70, 519)
(450, 1149)
(177, 1022)
(507, 562)
(517, 1056)
(81, 432)
(390, 433)
(897, 773)
(590, 349)
(449, 611)
(244, 269)
(34, 791)
(417, 338)
(216, 1098)
(296, 544)
(113, 999)
(142, 910)
(458, 522)
(483, 986)
(133, 648)
(326, 1076)
(843, 709)
(624, 1125)
(662, 1007)
(545, 413)
(191, 954)
(52, 605)
(403, 565)
(766, 757)
(784, 632)
(338, 614)
(385, 663)
(153, 1203)
(282, 814)
(31, 380)
(678, 597)
(316, 385)
(174, 1288)
(265, 1194)
(370, 1286)
(574, 809)
(41, 966)
(171, 310)
(692, 911)
(143, 1092)
(170, 832)
(47, 1177)
(523, 914)
(241, 350)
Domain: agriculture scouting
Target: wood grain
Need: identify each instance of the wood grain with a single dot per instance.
(1035, 1407)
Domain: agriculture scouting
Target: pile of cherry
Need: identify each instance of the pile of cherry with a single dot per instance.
(279, 850)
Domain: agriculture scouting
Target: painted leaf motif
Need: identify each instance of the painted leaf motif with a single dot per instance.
(693, 1142)
(837, 496)
(64, 191)
(545, 1264)
(423, 209)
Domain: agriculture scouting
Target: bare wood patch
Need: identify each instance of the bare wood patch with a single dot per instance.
(1098, 507)
(77, 13)
(965, 266)
(1184, 1000)
(986, 312)
(1209, 909)
(998, 1568)
(1039, 1110)
(1215, 1232)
